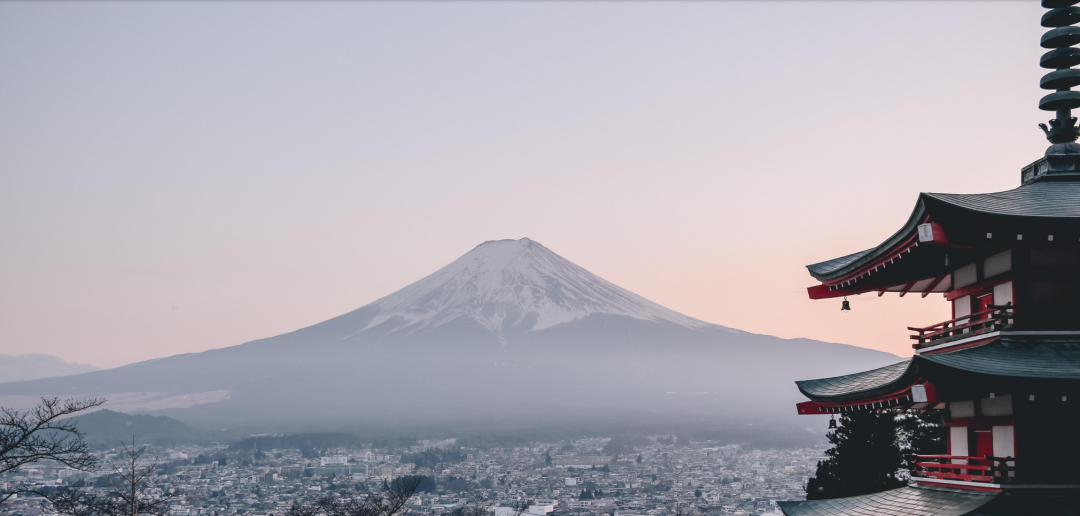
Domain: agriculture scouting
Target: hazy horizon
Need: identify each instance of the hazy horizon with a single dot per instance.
(179, 177)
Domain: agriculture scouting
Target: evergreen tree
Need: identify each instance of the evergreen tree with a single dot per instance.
(923, 434)
(865, 458)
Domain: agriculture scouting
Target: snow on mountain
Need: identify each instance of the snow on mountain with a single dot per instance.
(514, 284)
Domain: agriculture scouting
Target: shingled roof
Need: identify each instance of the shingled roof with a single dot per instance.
(1044, 200)
(867, 384)
(1021, 356)
(906, 501)
(1017, 357)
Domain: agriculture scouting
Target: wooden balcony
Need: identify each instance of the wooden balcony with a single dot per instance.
(992, 319)
(965, 468)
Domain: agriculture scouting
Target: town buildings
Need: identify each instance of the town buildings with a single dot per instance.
(693, 479)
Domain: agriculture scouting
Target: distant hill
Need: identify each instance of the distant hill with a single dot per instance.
(510, 331)
(34, 366)
(111, 428)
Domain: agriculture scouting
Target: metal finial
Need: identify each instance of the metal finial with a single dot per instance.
(1061, 17)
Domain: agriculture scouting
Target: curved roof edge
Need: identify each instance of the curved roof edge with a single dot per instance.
(867, 384)
(829, 269)
(1053, 200)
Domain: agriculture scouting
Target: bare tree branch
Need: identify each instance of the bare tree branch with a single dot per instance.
(129, 495)
(45, 433)
(390, 500)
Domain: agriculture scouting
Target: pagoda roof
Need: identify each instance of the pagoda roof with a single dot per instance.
(867, 384)
(1012, 356)
(905, 501)
(1059, 200)
(1043, 357)
(1049, 199)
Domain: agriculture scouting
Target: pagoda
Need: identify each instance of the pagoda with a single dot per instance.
(1004, 371)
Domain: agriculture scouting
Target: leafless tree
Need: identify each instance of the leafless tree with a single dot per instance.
(390, 499)
(477, 509)
(522, 506)
(44, 433)
(485, 508)
(129, 494)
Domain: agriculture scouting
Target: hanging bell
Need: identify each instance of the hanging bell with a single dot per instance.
(846, 305)
(832, 422)
(946, 260)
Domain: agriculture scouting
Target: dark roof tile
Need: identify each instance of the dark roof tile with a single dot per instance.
(906, 501)
(880, 381)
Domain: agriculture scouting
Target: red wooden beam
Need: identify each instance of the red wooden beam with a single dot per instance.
(934, 285)
(809, 407)
(824, 292)
(985, 284)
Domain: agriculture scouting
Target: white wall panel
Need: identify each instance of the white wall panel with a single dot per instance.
(1004, 443)
(1003, 293)
(997, 264)
(958, 442)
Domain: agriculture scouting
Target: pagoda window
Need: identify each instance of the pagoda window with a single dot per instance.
(964, 276)
(997, 264)
(962, 408)
(997, 406)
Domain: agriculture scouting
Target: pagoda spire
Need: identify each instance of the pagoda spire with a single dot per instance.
(1061, 18)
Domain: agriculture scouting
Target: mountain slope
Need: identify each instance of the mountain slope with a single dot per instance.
(510, 329)
(34, 366)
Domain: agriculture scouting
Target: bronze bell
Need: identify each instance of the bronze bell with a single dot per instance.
(846, 305)
(832, 422)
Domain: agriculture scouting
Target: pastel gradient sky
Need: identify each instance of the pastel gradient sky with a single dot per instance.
(180, 176)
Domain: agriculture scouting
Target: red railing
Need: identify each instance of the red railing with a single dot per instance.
(962, 467)
(992, 319)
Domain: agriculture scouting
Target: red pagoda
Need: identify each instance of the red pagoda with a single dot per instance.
(1005, 369)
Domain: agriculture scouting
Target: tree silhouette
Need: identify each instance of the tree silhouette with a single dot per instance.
(923, 434)
(865, 458)
(389, 500)
(129, 493)
(44, 432)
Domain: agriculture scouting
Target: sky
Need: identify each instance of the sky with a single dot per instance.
(182, 176)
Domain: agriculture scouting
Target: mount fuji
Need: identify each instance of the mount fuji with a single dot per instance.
(513, 286)
(510, 329)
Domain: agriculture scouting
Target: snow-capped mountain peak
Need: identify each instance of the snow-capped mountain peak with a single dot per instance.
(519, 284)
